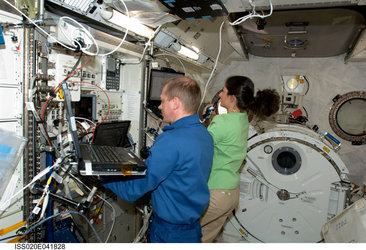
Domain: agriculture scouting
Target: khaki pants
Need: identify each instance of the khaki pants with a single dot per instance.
(222, 203)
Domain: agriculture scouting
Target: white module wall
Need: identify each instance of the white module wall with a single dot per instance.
(11, 103)
(132, 82)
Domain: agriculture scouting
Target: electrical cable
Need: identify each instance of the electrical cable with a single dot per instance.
(215, 65)
(82, 118)
(238, 21)
(172, 55)
(109, 103)
(124, 37)
(51, 96)
(253, 15)
(59, 85)
(58, 214)
(145, 49)
(133, 144)
(113, 210)
(37, 26)
(13, 236)
(38, 176)
(74, 40)
(308, 85)
(43, 129)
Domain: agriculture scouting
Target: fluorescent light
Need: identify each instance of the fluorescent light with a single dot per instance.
(196, 49)
(129, 23)
(185, 51)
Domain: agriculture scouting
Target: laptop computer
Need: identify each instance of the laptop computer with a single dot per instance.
(95, 160)
(108, 154)
(112, 134)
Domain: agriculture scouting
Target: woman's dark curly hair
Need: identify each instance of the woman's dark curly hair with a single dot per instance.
(264, 104)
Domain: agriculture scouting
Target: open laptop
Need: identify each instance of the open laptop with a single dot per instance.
(103, 159)
(112, 134)
(108, 155)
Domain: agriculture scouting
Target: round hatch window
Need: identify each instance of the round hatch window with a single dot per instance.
(286, 160)
(347, 116)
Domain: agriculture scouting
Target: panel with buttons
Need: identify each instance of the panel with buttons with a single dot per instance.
(110, 74)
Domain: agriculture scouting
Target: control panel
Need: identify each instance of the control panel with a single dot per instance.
(110, 74)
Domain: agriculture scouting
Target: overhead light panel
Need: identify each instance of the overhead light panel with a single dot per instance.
(184, 51)
(128, 23)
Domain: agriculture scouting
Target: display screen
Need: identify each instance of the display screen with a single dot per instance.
(86, 107)
(157, 80)
(111, 73)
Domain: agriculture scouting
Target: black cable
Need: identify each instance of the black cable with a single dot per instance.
(308, 85)
(307, 115)
(58, 214)
(53, 96)
(13, 236)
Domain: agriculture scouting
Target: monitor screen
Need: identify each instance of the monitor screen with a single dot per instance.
(157, 80)
(86, 107)
(112, 134)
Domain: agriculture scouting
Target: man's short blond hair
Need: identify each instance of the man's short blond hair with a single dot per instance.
(186, 89)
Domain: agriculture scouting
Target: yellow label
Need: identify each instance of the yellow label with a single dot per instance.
(60, 94)
(326, 149)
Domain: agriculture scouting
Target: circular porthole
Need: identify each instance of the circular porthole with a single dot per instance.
(286, 160)
(347, 116)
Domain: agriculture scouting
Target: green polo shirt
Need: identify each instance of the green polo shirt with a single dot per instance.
(230, 134)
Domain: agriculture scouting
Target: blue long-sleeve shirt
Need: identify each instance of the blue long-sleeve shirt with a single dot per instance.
(178, 167)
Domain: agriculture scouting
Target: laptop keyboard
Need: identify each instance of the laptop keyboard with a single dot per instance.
(104, 154)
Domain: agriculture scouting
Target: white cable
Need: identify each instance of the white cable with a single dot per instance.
(216, 61)
(38, 27)
(253, 14)
(64, 45)
(238, 21)
(124, 37)
(113, 210)
(85, 31)
(145, 225)
(37, 177)
(45, 201)
(172, 55)
(148, 43)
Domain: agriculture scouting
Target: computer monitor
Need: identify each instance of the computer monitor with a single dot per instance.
(156, 84)
(86, 107)
(157, 80)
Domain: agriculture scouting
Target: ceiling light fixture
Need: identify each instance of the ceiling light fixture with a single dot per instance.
(184, 51)
(129, 23)
(292, 83)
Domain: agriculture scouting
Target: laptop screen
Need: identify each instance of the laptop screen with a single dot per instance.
(112, 134)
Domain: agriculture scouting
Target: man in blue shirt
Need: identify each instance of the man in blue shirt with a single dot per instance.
(178, 167)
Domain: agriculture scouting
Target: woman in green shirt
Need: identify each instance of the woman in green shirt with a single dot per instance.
(230, 134)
